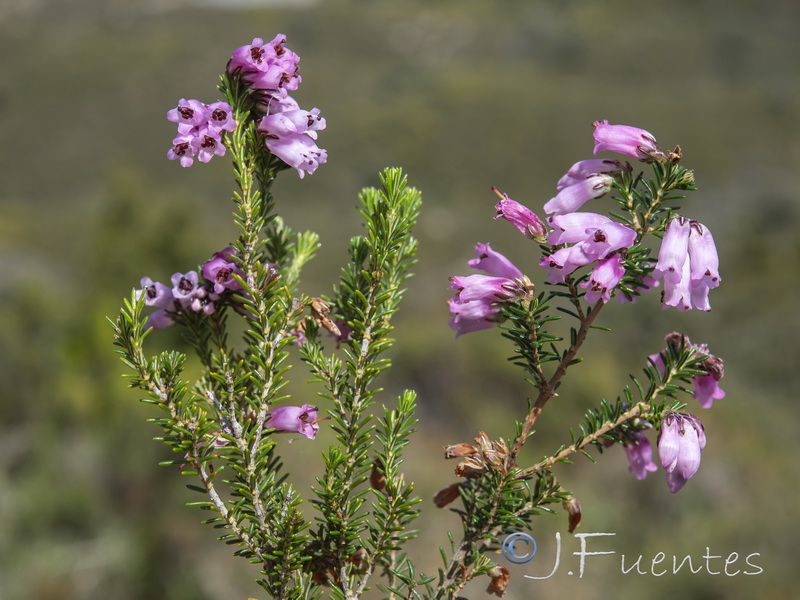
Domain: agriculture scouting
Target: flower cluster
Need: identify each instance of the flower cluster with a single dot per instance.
(290, 133)
(706, 386)
(200, 128)
(588, 237)
(583, 238)
(681, 437)
(189, 292)
(478, 298)
(688, 263)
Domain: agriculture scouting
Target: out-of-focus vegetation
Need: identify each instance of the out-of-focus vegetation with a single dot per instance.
(464, 94)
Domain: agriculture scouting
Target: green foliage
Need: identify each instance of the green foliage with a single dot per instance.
(222, 418)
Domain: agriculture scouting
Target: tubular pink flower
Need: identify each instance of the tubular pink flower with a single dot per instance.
(640, 455)
(188, 115)
(494, 263)
(156, 293)
(689, 264)
(298, 151)
(220, 117)
(289, 133)
(472, 316)
(631, 141)
(524, 219)
(269, 66)
(574, 227)
(480, 287)
(183, 149)
(677, 292)
(597, 243)
(605, 277)
(572, 197)
(208, 143)
(294, 419)
(681, 440)
(185, 287)
(706, 390)
(585, 168)
(477, 302)
(158, 320)
(674, 250)
(219, 270)
(199, 131)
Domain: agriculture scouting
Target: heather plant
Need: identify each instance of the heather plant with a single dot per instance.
(227, 427)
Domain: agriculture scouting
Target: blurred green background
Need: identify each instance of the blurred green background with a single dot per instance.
(464, 94)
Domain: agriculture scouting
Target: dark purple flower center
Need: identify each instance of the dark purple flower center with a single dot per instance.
(219, 115)
(208, 142)
(186, 112)
(223, 275)
(180, 149)
(185, 286)
(256, 54)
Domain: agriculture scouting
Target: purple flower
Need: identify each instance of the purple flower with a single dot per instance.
(289, 122)
(156, 293)
(269, 66)
(482, 287)
(681, 440)
(183, 149)
(585, 168)
(573, 196)
(289, 134)
(188, 115)
(476, 304)
(200, 130)
(594, 237)
(208, 143)
(688, 263)
(158, 320)
(605, 276)
(185, 287)
(294, 419)
(203, 301)
(472, 316)
(631, 141)
(706, 386)
(220, 117)
(524, 219)
(494, 263)
(299, 152)
(706, 390)
(704, 265)
(220, 269)
(640, 455)
(574, 227)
